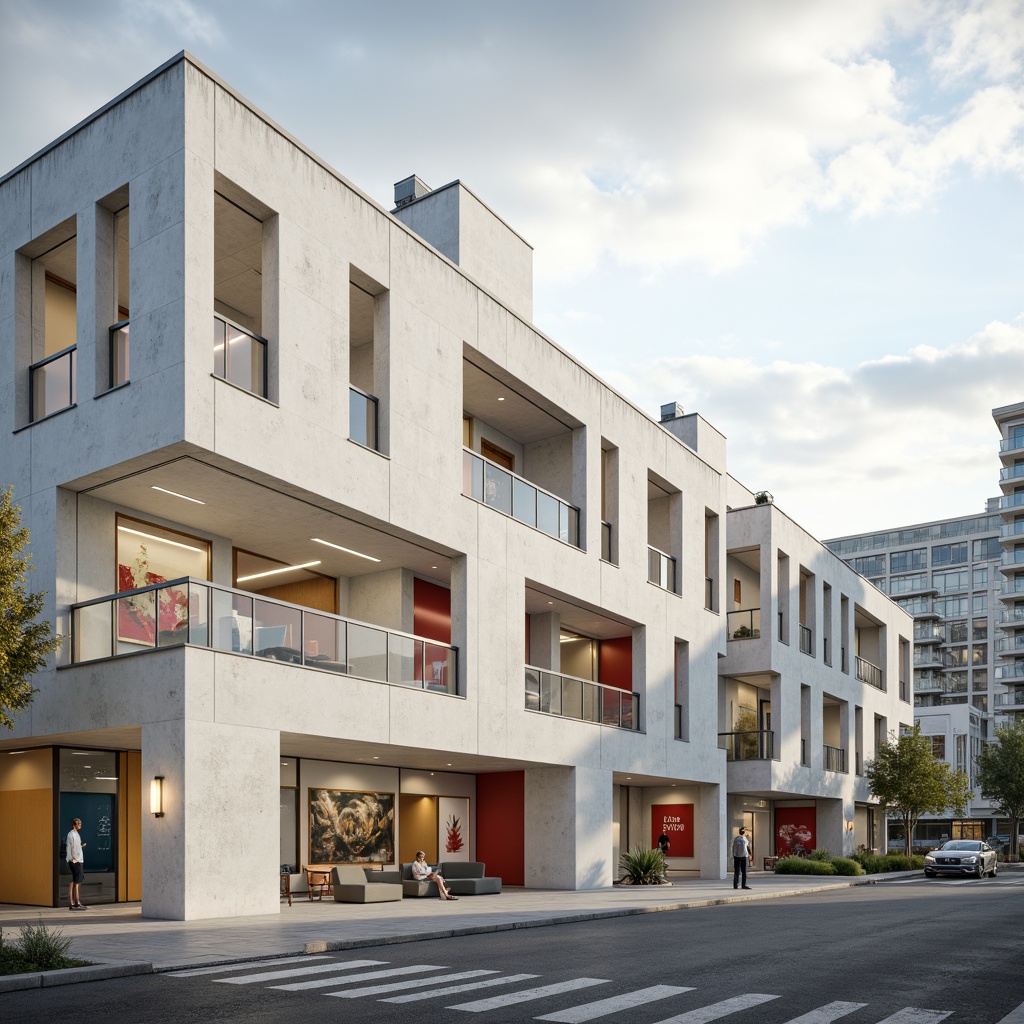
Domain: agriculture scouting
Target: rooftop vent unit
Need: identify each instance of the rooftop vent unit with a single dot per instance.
(671, 411)
(409, 189)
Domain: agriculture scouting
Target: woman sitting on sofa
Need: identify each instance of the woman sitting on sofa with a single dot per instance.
(423, 872)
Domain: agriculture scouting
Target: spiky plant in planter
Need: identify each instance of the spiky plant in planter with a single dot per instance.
(641, 865)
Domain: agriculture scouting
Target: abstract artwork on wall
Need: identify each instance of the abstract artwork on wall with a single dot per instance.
(795, 831)
(452, 828)
(351, 828)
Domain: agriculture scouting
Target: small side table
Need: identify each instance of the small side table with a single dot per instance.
(286, 886)
(769, 863)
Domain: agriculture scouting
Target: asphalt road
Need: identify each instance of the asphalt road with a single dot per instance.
(913, 952)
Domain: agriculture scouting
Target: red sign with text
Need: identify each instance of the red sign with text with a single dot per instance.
(676, 822)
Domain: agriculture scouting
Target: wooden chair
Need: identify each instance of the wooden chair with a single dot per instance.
(286, 886)
(318, 879)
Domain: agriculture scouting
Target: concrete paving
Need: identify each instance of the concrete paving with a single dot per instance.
(118, 933)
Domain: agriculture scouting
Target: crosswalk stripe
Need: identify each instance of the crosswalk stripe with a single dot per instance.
(1014, 1016)
(602, 1007)
(397, 986)
(302, 986)
(528, 994)
(195, 972)
(912, 1015)
(456, 989)
(703, 1014)
(827, 1013)
(297, 972)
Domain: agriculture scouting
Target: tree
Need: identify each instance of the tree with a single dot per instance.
(25, 640)
(1000, 773)
(909, 782)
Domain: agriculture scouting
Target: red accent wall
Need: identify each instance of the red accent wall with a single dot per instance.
(676, 821)
(501, 825)
(795, 830)
(615, 662)
(432, 611)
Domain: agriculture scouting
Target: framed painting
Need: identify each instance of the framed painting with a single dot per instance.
(351, 828)
(453, 828)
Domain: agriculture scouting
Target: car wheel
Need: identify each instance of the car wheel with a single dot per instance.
(981, 873)
(929, 874)
(995, 868)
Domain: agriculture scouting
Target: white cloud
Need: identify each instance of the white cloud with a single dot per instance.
(893, 441)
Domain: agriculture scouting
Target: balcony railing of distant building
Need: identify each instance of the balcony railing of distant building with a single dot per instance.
(748, 746)
(363, 425)
(1013, 559)
(1011, 616)
(239, 356)
(52, 384)
(744, 624)
(928, 682)
(554, 693)
(1012, 473)
(1011, 444)
(1012, 699)
(1014, 529)
(606, 540)
(929, 632)
(679, 721)
(661, 569)
(504, 491)
(1011, 500)
(1009, 644)
(868, 673)
(197, 613)
(833, 758)
(927, 657)
(1013, 586)
(806, 640)
(709, 593)
(1013, 671)
(119, 353)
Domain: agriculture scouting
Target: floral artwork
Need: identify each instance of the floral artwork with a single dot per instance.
(135, 615)
(794, 831)
(453, 835)
(351, 828)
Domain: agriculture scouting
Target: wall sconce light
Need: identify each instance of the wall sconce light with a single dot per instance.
(849, 826)
(156, 796)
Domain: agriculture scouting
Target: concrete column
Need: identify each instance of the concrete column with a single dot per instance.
(97, 300)
(544, 647)
(216, 850)
(832, 816)
(382, 368)
(713, 837)
(464, 597)
(568, 828)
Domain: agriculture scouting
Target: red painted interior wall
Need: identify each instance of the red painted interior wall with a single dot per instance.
(615, 662)
(432, 611)
(501, 825)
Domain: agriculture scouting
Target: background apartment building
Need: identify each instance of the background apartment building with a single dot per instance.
(353, 561)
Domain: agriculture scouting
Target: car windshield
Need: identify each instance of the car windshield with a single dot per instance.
(963, 844)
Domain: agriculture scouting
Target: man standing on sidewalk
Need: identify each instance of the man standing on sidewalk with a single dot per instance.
(76, 861)
(740, 855)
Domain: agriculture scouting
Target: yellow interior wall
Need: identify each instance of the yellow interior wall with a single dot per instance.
(60, 318)
(28, 852)
(417, 827)
(129, 827)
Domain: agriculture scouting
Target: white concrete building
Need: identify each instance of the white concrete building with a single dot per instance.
(352, 560)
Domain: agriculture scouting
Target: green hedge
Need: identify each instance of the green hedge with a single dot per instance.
(804, 866)
(847, 866)
(876, 864)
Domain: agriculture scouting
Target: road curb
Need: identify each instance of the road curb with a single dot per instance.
(73, 975)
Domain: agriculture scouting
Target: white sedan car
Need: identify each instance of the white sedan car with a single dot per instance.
(962, 857)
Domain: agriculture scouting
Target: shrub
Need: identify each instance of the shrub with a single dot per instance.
(803, 866)
(847, 866)
(36, 949)
(875, 864)
(643, 866)
(820, 854)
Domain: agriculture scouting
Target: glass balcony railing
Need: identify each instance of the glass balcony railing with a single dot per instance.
(1012, 472)
(1011, 444)
(52, 384)
(929, 632)
(1011, 500)
(194, 612)
(661, 569)
(552, 693)
(806, 640)
(1008, 644)
(926, 656)
(833, 758)
(1012, 586)
(1012, 615)
(491, 484)
(1014, 558)
(1014, 671)
(119, 353)
(868, 673)
(928, 682)
(606, 541)
(362, 418)
(239, 356)
(1014, 529)
(747, 746)
(1012, 699)
(744, 624)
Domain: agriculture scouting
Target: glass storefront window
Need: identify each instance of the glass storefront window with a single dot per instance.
(88, 790)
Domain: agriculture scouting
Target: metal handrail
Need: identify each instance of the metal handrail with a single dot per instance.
(806, 639)
(661, 568)
(748, 745)
(833, 758)
(263, 353)
(869, 673)
(743, 624)
(114, 379)
(65, 353)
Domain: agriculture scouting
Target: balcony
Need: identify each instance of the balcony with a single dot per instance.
(927, 657)
(1009, 644)
(747, 746)
(1012, 444)
(661, 569)
(928, 682)
(1014, 671)
(52, 384)
(833, 758)
(745, 624)
(1013, 699)
(1012, 561)
(806, 640)
(119, 353)
(196, 613)
(502, 490)
(1013, 529)
(239, 356)
(1011, 501)
(362, 418)
(1011, 617)
(929, 633)
(551, 693)
(1012, 472)
(1013, 586)
(868, 673)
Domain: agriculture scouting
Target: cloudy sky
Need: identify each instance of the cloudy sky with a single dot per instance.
(801, 218)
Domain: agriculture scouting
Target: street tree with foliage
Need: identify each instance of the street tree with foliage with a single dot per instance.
(25, 639)
(1000, 773)
(908, 782)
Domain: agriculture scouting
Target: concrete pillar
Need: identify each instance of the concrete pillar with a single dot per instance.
(545, 652)
(568, 828)
(216, 850)
(713, 852)
(832, 816)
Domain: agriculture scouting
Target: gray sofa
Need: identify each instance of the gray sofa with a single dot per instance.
(464, 878)
(352, 886)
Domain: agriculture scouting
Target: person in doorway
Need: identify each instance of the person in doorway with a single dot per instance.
(423, 872)
(76, 861)
(741, 853)
(663, 844)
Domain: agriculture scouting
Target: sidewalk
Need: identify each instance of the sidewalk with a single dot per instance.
(115, 933)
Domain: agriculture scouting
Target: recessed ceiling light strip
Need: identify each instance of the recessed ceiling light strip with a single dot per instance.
(274, 572)
(175, 494)
(348, 551)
